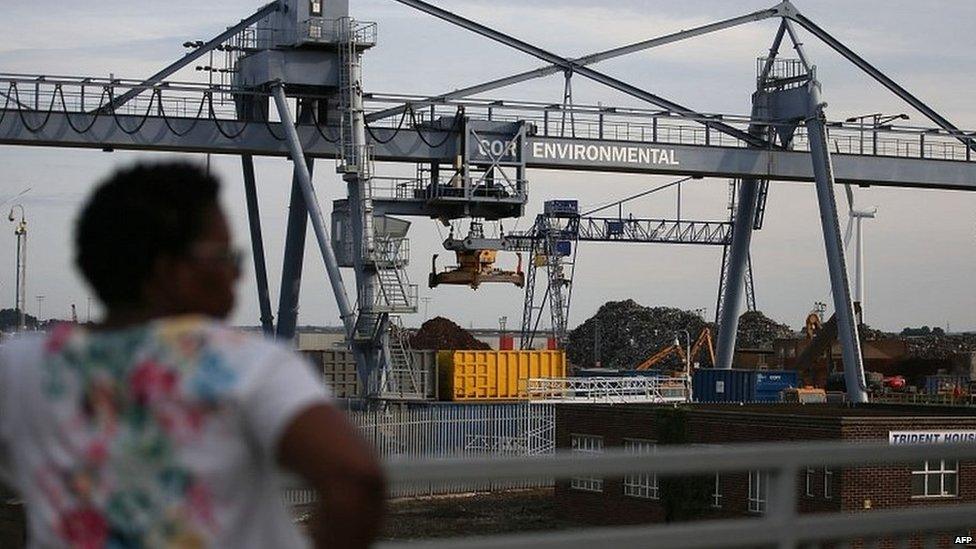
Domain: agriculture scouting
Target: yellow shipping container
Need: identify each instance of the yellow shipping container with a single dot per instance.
(494, 375)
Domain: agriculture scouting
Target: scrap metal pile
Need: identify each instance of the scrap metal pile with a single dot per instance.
(628, 333)
(757, 331)
(441, 334)
(940, 347)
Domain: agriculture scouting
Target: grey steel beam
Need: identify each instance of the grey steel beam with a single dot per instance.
(582, 61)
(193, 56)
(735, 278)
(567, 65)
(294, 259)
(728, 324)
(847, 329)
(314, 211)
(257, 245)
(773, 51)
(260, 139)
(883, 79)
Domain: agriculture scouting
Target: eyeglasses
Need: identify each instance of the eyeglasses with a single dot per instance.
(218, 253)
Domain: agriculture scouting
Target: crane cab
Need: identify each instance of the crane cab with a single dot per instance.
(305, 23)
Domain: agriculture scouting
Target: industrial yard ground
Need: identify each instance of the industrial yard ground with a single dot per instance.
(472, 514)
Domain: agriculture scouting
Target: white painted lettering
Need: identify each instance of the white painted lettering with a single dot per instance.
(644, 155)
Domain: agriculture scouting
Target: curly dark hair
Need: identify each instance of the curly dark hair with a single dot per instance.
(135, 216)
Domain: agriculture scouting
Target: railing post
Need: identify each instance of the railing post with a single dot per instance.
(781, 504)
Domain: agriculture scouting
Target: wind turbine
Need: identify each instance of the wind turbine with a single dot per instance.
(854, 218)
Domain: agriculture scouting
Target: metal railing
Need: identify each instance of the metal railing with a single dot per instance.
(453, 431)
(634, 124)
(610, 390)
(36, 96)
(781, 526)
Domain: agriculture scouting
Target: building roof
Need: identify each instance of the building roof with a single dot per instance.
(812, 410)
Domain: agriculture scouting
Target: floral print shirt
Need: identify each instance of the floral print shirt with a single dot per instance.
(162, 435)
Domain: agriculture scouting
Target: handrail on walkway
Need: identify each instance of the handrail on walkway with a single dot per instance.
(780, 526)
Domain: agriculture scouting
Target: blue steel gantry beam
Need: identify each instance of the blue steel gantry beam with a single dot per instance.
(583, 71)
(542, 72)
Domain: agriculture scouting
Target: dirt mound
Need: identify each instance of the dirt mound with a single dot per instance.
(441, 334)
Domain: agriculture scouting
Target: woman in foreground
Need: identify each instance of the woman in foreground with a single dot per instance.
(161, 426)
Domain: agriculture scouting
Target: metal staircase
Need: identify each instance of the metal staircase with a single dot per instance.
(404, 378)
(396, 293)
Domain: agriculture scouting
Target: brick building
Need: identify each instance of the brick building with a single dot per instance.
(644, 498)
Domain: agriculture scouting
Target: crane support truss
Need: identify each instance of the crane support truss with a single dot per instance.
(581, 61)
(610, 390)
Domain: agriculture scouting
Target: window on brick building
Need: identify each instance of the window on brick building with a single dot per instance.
(808, 482)
(642, 485)
(937, 478)
(828, 483)
(587, 444)
(717, 492)
(758, 486)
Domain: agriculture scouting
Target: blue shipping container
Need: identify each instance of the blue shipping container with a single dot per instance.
(712, 385)
(564, 248)
(940, 384)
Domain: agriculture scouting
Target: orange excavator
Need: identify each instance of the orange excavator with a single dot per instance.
(704, 340)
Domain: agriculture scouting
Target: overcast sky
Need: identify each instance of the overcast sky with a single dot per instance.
(920, 251)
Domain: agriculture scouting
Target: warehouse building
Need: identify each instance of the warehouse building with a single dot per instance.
(642, 427)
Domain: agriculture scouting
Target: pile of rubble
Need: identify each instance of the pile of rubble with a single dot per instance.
(939, 347)
(625, 334)
(441, 334)
(757, 331)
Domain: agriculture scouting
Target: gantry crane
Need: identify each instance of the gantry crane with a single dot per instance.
(475, 152)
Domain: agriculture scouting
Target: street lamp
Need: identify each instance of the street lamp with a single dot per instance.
(877, 119)
(20, 290)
